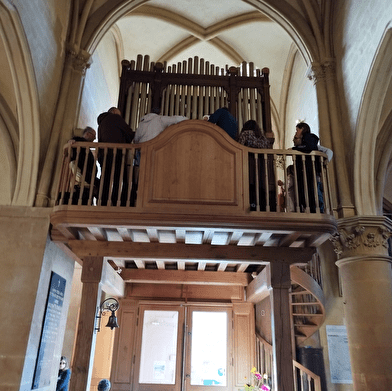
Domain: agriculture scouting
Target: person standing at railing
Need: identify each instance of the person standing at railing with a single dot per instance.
(306, 141)
(252, 136)
(77, 167)
(112, 128)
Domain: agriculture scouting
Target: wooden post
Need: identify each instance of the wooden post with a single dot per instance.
(280, 283)
(233, 91)
(83, 358)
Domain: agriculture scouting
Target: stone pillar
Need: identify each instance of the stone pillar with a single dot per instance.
(365, 269)
(23, 234)
(324, 77)
(75, 67)
(280, 284)
(83, 358)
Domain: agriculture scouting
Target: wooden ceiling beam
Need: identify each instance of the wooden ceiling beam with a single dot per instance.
(196, 252)
(185, 277)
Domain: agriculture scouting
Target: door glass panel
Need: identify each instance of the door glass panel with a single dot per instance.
(159, 347)
(209, 348)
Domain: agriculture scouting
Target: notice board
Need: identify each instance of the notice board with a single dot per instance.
(50, 328)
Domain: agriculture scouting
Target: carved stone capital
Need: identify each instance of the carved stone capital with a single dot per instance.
(80, 59)
(316, 73)
(362, 236)
(330, 69)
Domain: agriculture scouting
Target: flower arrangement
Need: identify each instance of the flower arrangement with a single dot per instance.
(258, 382)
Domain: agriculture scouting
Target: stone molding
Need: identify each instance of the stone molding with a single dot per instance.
(322, 72)
(80, 60)
(362, 236)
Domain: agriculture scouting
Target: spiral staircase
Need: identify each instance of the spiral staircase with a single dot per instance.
(307, 304)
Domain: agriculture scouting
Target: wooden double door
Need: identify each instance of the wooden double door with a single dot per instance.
(183, 348)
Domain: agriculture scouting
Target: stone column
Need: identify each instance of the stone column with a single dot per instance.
(65, 118)
(365, 268)
(280, 284)
(83, 358)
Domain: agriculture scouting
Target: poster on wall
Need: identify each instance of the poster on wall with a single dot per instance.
(339, 357)
(51, 323)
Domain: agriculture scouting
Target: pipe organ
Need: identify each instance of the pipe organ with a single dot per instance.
(193, 89)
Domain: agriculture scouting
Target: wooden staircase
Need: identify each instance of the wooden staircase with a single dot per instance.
(307, 304)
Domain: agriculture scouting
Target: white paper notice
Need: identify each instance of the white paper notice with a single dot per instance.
(339, 357)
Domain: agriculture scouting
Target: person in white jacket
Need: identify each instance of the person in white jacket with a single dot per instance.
(153, 124)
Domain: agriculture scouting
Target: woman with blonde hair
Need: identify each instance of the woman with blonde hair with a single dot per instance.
(64, 375)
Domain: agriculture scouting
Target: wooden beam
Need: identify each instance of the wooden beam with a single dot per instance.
(179, 251)
(185, 277)
(259, 288)
(111, 281)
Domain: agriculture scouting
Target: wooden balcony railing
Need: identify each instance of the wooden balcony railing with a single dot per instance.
(194, 163)
(304, 379)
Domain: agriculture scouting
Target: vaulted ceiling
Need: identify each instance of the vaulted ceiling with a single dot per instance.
(223, 32)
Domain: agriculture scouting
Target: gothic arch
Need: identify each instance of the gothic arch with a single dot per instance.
(9, 151)
(19, 60)
(312, 49)
(368, 131)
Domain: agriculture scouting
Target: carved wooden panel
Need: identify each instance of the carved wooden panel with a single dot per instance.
(194, 168)
(244, 325)
(124, 346)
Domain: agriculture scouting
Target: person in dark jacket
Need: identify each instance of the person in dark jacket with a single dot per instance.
(305, 141)
(104, 385)
(78, 167)
(64, 375)
(88, 135)
(252, 136)
(112, 128)
(223, 118)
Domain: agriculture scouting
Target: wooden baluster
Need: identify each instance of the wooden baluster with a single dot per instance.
(122, 170)
(267, 200)
(257, 181)
(82, 185)
(65, 175)
(132, 177)
(73, 178)
(196, 90)
(327, 192)
(315, 184)
(295, 157)
(201, 92)
(275, 172)
(112, 175)
(103, 173)
(93, 175)
(305, 184)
